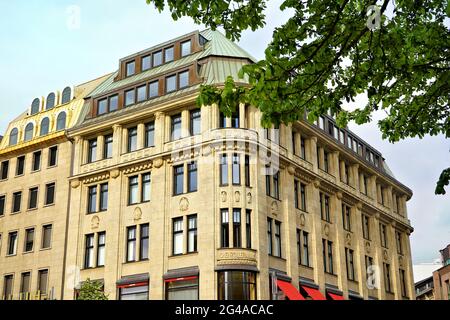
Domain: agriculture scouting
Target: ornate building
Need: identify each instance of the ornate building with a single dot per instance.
(171, 201)
(35, 163)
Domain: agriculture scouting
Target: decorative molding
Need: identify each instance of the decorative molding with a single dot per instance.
(274, 208)
(339, 195)
(316, 183)
(249, 198)
(97, 178)
(114, 173)
(348, 239)
(359, 205)
(95, 222)
(223, 196)
(236, 256)
(75, 183)
(138, 168)
(302, 220)
(184, 204)
(326, 229)
(137, 214)
(368, 247)
(291, 170)
(385, 255)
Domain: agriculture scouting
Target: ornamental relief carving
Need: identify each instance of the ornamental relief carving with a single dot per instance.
(226, 257)
(274, 208)
(326, 230)
(137, 215)
(385, 255)
(98, 178)
(138, 168)
(184, 204)
(368, 247)
(223, 196)
(302, 220)
(237, 196)
(249, 198)
(75, 183)
(95, 222)
(348, 239)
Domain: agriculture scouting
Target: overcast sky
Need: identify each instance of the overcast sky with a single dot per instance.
(45, 47)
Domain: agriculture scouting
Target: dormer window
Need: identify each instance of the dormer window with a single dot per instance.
(168, 54)
(171, 83)
(146, 63)
(183, 79)
(131, 68)
(186, 48)
(29, 132)
(50, 101)
(45, 126)
(35, 106)
(157, 59)
(13, 137)
(102, 107)
(142, 93)
(113, 103)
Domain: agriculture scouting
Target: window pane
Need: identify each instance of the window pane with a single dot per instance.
(236, 169)
(176, 127)
(32, 202)
(146, 61)
(224, 169)
(132, 139)
(192, 177)
(168, 54)
(47, 237)
(131, 68)
(43, 279)
(104, 197)
(133, 190)
(131, 244)
(92, 199)
(150, 134)
(154, 89)
(102, 106)
(195, 122)
(157, 58)
(183, 79)
(186, 48)
(37, 161)
(142, 93)
(113, 103)
(108, 147)
(178, 179)
(129, 97)
(50, 194)
(146, 190)
(92, 155)
(171, 84)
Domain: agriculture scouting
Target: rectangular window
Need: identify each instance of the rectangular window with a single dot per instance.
(403, 282)
(150, 134)
(132, 139)
(346, 218)
(12, 243)
(146, 187)
(102, 106)
(223, 170)
(192, 234)
(131, 244)
(182, 289)
(8, 286)
(4, 170)
(43, 281)
(276, 185)
(387, 277)
(296, 202)
(25, 283)
(49, 194)
(157, 59)
(144, 242)
(17, 201)
(322, 123)
(236, 169)
(247, 171)
(325, 207)
(108, 147)
(146, 63)
(183, 79)
(305, 251)
(369, 264)
(2, 205)
(32, 198)
(178, 175)
(268, 182)
(186, 48)
(248, 228)
(101, 243)
(52, 156)
(326, 166)
(328, 256)
(130, 97)
(133, 190)
(154, 89)
(104, 197)
(20, 167)
(192, 177)
(235, 120)
(171, 83)
(366, 228)
(195, 123)
(29, 240)
(92, 199)
(269, 236)
(277, 244)
(142, 93)
(222, 120)
(176, 127)
(237, 233)
(383, 235)
(224, 230)
(399, 242)
(303, 197)
(302, 148)
(113, 103)
(47, 236)
(92, 152)
(350, 264)
(168, 54)
(177, 240)
(131, 68)
(89, 251)
(36, 161)
(294, 147)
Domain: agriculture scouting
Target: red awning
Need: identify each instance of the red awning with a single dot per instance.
(131, 285)
(315, 294)
(289, 290)
(335, 296)
(181, 279)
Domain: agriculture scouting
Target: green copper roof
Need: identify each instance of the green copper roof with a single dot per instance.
(218, 46)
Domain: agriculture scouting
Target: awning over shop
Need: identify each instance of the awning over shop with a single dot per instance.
(289, 290)
(138, 280)
(315, 294)
(335, 296)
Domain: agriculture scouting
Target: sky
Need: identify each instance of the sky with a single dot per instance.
(47, 45)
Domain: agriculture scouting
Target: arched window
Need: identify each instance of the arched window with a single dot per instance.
(29, 132)
(13, 137)
(61, 121)
(50, 101)
(45, 126)
(35, 106)
(66, 95)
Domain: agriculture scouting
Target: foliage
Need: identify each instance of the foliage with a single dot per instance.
(92, 290)
(330, 52)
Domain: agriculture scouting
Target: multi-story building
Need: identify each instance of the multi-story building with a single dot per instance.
(170, 201)
(441, 277)
(35, 164)
(425, 289)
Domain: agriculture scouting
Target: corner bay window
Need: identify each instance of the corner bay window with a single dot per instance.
(236, 285)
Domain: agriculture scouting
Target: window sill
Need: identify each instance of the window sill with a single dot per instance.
(279, 258)
(35, 171)
(331, 274)
(183, 254)
(11, 255)
(92, 268)
(305, 266)
(27, 252)
(45, 249)
(49, 205)
(301, 210)
(16, 213)
(19, 175)
(51, 167)
(32, 209)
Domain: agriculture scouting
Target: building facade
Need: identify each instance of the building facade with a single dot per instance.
(172, 201)
(35, 164)
(441, 277)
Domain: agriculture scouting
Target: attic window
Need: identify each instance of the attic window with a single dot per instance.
(157, 58)
(186, 48)
(50, 101)
(131, 68)
(168, 54)
(146, 63)
(35, 106)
